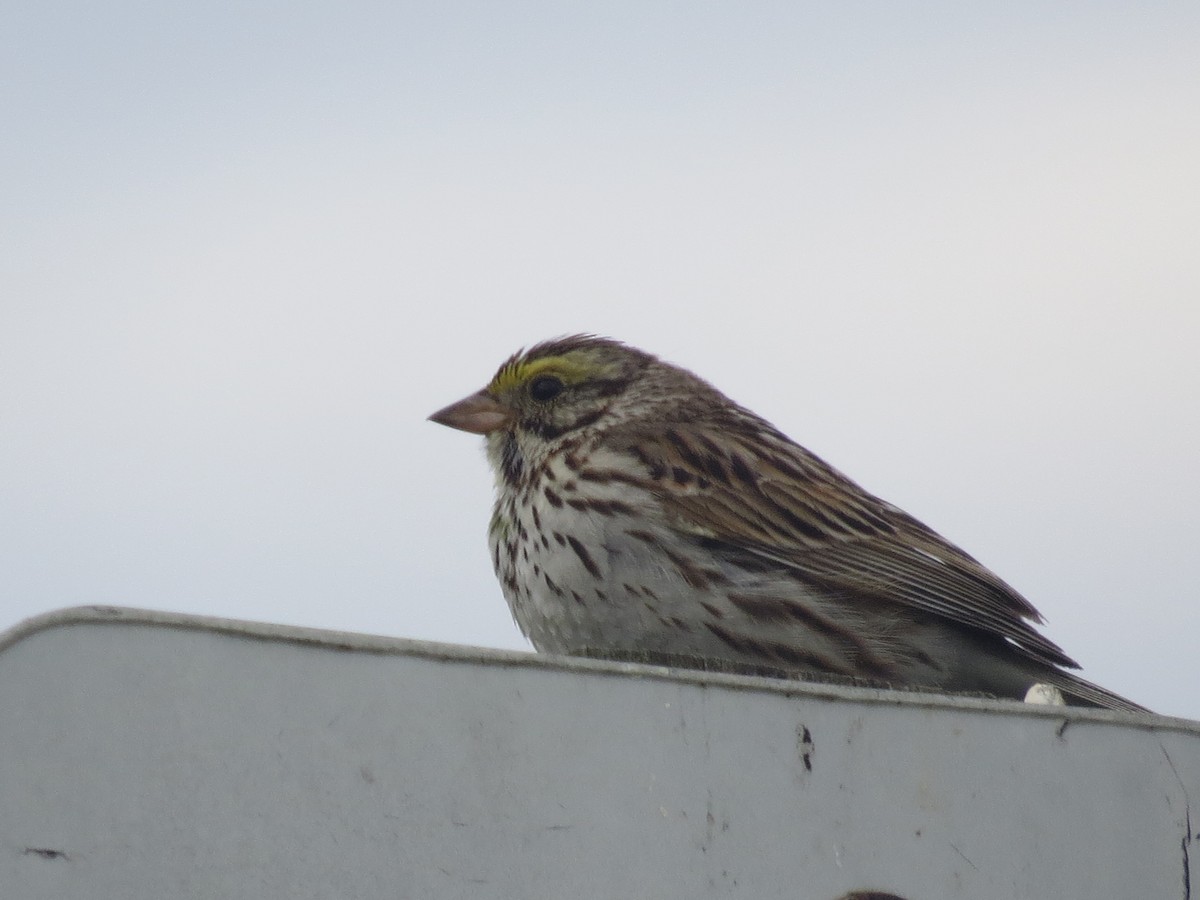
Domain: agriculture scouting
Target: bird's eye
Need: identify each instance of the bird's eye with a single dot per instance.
(545, 387)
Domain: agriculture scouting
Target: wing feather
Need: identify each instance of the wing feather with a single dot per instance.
(751, 490)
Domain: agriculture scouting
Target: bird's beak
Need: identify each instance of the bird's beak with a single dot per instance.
(478, 414)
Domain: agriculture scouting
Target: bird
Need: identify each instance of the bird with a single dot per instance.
(640, 512)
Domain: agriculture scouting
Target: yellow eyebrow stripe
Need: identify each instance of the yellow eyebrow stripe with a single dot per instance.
(518, 373)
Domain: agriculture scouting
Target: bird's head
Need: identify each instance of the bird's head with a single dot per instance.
(548, 393)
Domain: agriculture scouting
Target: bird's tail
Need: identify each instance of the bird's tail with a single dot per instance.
(1081, 692)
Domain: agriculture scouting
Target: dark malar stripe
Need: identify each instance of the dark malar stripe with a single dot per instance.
(512, 464)
(587, 419)
(545, 430)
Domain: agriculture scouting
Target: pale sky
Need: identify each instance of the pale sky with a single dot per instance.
(954, 249)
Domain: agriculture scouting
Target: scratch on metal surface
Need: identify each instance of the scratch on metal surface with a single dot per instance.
(964, 856)
(47, 853)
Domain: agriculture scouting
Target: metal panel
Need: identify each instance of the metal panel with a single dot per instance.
(146, 755)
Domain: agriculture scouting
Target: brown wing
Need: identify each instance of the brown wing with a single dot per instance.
(761, 494)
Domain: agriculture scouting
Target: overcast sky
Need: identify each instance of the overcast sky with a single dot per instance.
(954, 249)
